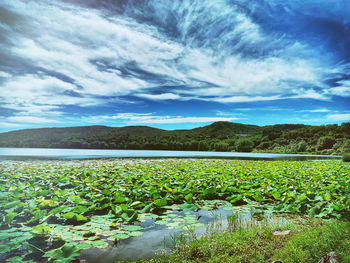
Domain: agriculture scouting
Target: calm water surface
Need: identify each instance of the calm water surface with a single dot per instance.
(158, 240)
(43, 153)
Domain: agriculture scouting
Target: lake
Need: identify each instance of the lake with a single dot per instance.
(44, 153)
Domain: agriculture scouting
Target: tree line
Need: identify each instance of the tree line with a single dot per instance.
(325, 139)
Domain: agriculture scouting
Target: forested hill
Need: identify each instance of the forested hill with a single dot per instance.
(218, 136)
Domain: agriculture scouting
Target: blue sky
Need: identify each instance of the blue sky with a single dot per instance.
(173, 64)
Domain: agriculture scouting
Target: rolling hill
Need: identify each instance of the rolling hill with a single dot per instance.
(218, 136)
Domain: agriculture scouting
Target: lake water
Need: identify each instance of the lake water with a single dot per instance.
(44, 153)
(159, 240)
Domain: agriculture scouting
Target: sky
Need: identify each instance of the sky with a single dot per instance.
(173, 64)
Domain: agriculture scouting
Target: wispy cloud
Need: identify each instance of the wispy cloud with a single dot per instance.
(246, 98)
(4, 74)
(163, 96)
(96, 52)
(342, 90)
(30, 119)
(57, 54)
(320, 110)
(339, 117)
(149, 118)
(9, 125)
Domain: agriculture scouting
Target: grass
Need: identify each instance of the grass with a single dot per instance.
(306, 243)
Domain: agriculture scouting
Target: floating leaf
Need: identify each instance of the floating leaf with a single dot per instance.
(122, 236)
(132, 228)
(136, 233)
(161, 222)
(83, 245)
(99, 243)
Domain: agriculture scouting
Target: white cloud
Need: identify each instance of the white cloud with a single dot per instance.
(246, 99)
(9, 125)
(149, 118)
(339, 117)
(38, 109)
(178, 119)
(31, 90)
(320, 110)
(70, 38)
(4, 74)
(343, 90)
(309, 94)
(163, 96)
(91, 48)
(30, 119)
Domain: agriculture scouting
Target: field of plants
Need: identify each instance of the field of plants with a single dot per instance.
(51, 210)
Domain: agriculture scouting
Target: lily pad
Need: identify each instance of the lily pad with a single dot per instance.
(132, 227)
(136, 233)
(122, 236)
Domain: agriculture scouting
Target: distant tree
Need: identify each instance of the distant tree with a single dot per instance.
(263, 145)
(301, 146)
(325, 142)
(244, 145)
(345, 147)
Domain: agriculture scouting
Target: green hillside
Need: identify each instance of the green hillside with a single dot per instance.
(222, 128)
(218, 136)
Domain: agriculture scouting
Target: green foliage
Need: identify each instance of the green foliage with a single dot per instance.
(64, 254)
(346, 157)
(74, 217)
(325, 142)
(8, 218)
(301, 146)
(244, 145)
(40, 229)
(160, 202)
(264, 145)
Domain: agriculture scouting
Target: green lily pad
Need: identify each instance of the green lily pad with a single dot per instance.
(84, 245)
(161, 222)
(64, 254)
(136, 233)
(132, 227)
(122, 236)
(99, 244)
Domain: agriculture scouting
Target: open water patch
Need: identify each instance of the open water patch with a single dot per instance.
(76, 154)
(160, 234)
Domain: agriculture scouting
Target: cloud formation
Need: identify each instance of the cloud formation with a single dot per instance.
(150, 118)
(339, 117)
(56, 54)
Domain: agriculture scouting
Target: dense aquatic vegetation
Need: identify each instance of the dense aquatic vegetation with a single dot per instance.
(54, 209)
